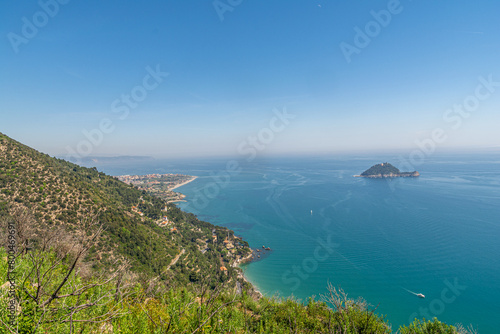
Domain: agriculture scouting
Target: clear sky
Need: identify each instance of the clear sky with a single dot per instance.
(355, 76)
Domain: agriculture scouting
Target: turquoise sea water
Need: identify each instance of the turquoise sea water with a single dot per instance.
(437, 234)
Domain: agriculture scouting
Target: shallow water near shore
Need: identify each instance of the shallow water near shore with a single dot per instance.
(436, 235)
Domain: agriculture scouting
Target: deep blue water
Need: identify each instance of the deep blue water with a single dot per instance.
(437, 234)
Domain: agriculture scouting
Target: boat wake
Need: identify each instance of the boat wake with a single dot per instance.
(414, 293)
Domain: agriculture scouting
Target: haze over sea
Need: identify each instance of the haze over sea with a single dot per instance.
(380, 239)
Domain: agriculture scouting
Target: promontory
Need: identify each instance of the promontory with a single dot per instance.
(384, 170)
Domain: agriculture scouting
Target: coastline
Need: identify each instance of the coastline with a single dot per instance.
(177, 200)
(254, 287)
(267, 288)
(241, 275)
(237, 263)
(183, 183)
(253, 256)
(391, 175)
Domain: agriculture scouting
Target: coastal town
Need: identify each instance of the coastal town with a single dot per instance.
(161, 185)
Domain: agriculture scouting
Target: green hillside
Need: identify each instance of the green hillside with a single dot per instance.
(60, 194)
(84, 262)
(382, 169)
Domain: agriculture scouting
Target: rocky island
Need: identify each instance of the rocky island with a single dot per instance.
(386, 170)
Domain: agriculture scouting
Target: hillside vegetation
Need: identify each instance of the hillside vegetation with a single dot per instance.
(85, 262)
(383, 169)
(158, 308)
(386, 170)
(60, 195)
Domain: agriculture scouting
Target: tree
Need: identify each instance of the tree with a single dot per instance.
(52, 288)
(352, 316)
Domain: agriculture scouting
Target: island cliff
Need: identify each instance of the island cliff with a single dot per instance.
(386, 170)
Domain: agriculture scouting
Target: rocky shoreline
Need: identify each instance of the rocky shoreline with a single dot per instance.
(385, 170)
(380, 176)
(256, 255)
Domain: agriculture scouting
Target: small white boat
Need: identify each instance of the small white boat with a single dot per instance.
(419, 295)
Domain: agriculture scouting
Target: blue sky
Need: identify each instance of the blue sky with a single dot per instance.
(228, 77)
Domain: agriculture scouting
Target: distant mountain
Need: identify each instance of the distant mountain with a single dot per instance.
(111, 159)
(384, 170)
(138, 225)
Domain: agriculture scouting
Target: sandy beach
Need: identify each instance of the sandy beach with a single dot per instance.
(177, 201)
(256, 291)
(184, 183)
(238, 264)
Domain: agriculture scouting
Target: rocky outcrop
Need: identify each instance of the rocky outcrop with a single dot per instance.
(386, 170)
(379, 176)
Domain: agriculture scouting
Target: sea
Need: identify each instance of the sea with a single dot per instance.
(383, 240)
